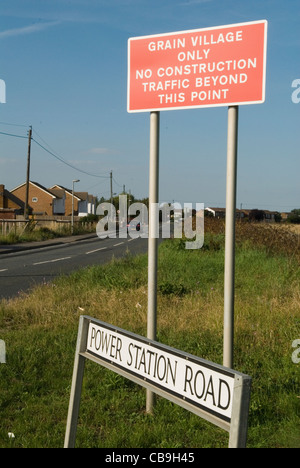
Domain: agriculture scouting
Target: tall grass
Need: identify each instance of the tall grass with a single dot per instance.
(40, 331)
(36, 234)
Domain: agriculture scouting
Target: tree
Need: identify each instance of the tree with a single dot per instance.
(277, 217)
(294, 216)
(256, 215)
(130, 200)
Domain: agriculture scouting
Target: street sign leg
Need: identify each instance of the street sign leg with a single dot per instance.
(152, 237)
(240, 411)
(78, 371)
(229, 274)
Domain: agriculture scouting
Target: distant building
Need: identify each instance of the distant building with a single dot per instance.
(87, 203)
(55, 201)
(42, 201)
(10, 205)
(68, 200)
(216, 212)
(253, 215)
(84, 203)
(284, 216)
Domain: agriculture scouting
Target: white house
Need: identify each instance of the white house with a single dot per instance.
(84, 203)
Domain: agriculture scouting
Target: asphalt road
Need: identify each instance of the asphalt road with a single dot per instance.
(19, 271)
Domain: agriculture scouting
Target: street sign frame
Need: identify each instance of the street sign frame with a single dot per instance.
(113, 348)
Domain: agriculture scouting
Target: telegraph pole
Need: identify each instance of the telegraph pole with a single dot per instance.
(28, 173)
(111, 187)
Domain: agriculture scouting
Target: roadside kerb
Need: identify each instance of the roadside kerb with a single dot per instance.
(14, 248)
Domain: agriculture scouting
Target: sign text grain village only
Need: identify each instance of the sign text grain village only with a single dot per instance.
(201, 68)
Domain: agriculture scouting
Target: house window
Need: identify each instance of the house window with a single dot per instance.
(35, 199)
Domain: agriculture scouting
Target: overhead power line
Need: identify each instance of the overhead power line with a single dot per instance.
(67, 163)
(13, 135)
(14, 125)
(59, 158)
(117, 183)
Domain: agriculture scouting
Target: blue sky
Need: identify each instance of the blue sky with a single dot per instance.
(64, 63)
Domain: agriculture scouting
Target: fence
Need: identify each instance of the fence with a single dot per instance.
(60, 226)
(8, 226)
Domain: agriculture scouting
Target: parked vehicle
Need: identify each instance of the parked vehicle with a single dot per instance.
(134, 226)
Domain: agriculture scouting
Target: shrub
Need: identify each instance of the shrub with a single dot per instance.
(167, 289)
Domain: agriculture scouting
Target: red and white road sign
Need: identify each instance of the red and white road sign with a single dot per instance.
(218, 66)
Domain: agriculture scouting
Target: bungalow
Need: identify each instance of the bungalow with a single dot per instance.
(68, 200)
(84, 203)
(216, 212)
(42, 201)
(253, 215)
(270, 216)
(87, 205)
(221, 213)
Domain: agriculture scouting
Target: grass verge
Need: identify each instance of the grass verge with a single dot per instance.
(40, 331)
(37, 234)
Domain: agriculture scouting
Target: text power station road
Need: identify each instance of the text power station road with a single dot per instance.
(215, 393)
(187, 378)
(219, 66)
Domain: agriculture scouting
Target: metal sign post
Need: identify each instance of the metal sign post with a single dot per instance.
(152, 237)
(229, 274)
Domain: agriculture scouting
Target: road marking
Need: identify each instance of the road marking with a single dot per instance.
(6, 269)
(52, 261)
(116, 245)
(97, 250)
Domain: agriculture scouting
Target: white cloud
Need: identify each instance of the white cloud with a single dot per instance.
(5, 161)
(27, 29)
